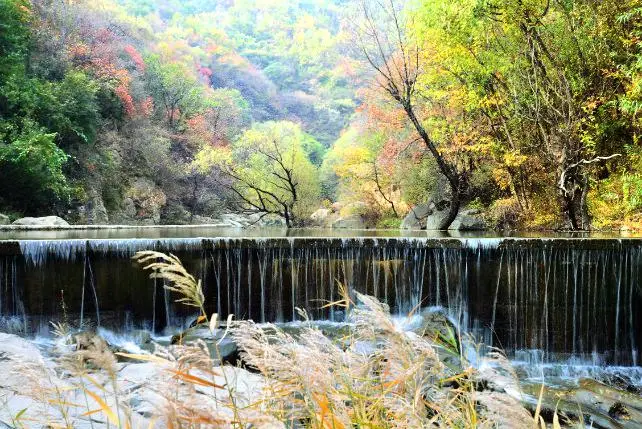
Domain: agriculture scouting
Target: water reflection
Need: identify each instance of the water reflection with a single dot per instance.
(190, 231)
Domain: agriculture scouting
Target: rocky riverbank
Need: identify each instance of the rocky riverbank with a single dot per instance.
(265, 375)
(295, 374)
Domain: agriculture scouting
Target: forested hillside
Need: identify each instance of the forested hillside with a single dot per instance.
(108, 103)
(161, 111)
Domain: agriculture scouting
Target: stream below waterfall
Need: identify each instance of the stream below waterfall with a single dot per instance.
(562, 307)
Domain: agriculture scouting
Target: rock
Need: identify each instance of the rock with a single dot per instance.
(600, 405)
(425, 216)
(619, 411)
(234, 220)
(319, 217)
(503, 411)
(492, 376)
(12, 347)
(224, 348)
(352, 216)
(332, 330)
(203, 220)
(47, 221)
(88, 340)
(148, 201)
(620, 382)
(4, 219)
(269, 221)
(430, 215)
(106, 342)
(468, 220)
(23, 369)
(129, 208)
(349, 222)
(174, 213)
(336, 207)
(436, 325)
(95, 210)
(324, 218)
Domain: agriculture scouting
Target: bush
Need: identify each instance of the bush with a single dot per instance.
(31, 171)
(505, 214)
(389, 223)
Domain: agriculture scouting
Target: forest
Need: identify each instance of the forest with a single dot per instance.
(306, 112)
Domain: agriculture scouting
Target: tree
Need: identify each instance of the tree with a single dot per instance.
(270, 171)
(364, 169)
(561, 91)
(31, 170)
(14, 35)
(395, 56)
(174, 88)
(539, 81)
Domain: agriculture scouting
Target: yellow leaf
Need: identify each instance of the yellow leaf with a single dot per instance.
(111, 416)
(194, 379)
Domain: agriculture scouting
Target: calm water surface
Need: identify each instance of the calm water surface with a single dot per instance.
(76, 233)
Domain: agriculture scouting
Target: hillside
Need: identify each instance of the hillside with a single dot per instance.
(525, 115)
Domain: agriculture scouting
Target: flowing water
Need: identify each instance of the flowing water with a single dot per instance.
(571, 300)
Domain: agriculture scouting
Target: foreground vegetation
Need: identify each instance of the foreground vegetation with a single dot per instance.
(172, 112)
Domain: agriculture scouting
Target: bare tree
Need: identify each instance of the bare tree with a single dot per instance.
(395, 58)
(277, 194)
(386, 198)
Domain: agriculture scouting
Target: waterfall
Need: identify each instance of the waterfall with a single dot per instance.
(564, 298)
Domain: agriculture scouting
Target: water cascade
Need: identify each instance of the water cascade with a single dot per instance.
(558, 298)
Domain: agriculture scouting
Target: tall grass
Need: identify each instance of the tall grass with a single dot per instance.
(376, 376)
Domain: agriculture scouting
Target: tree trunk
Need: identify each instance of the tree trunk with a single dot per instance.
(583, 204)
(453, 210)
(568, 207)
(454, 179)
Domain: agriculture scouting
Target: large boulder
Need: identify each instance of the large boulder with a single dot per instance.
(95, 210)
(430, 215)
(148, 201)
(204, 220)
(469, 220)
(321, 217)
(426, 216)
(263, 220)
(352, 216)
(45, 222)
(219, 347)
(234, 220)
(355, 221)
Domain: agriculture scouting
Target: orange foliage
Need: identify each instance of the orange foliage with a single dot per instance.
(128, 102)
(146, 107)
(136, 57)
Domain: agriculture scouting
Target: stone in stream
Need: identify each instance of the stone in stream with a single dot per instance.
(93, 341)
(620, 382)
(219, 347)
(591, 402)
